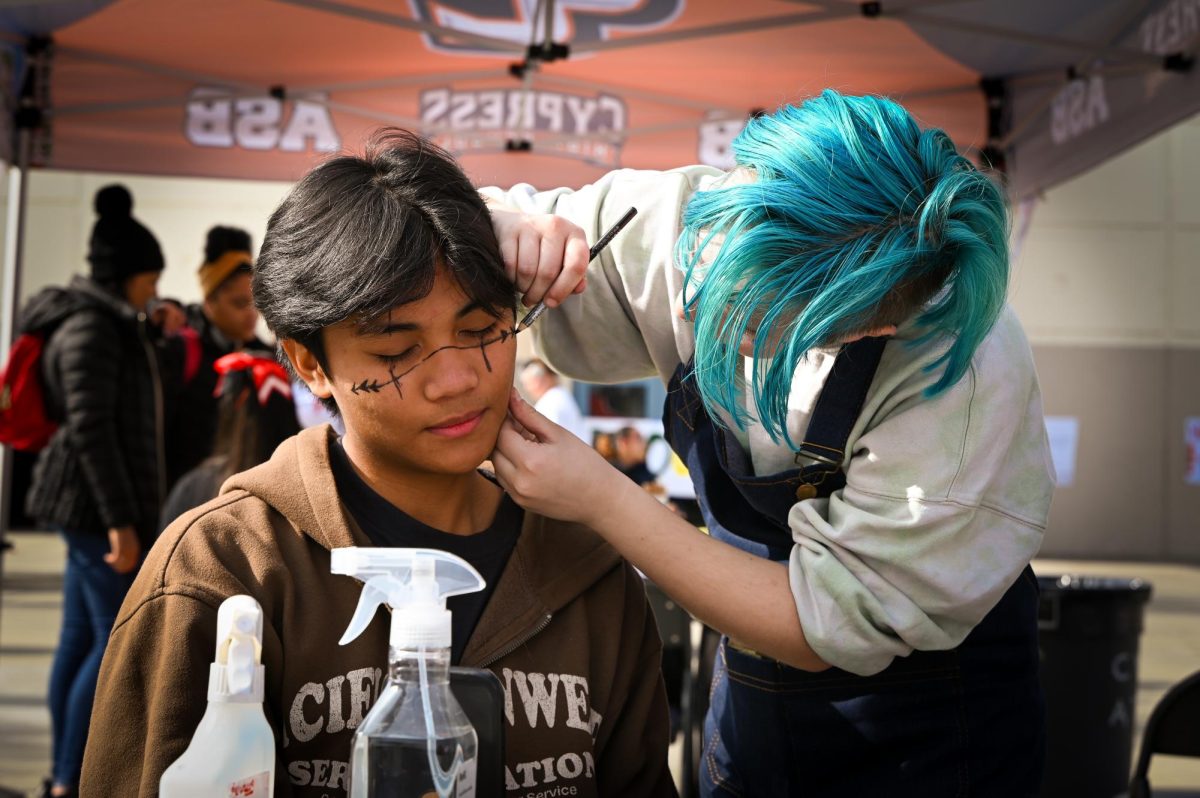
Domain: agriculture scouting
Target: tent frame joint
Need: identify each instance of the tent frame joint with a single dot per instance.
(38, 44)
(536, 54)
(548, 52)
(995, 90)
(1179, 62)
(29, 113)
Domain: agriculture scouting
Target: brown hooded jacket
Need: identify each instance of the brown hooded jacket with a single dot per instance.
(568, 632)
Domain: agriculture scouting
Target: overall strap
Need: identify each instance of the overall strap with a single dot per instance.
(841, 401)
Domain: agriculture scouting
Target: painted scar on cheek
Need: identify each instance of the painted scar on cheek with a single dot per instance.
(370, 385)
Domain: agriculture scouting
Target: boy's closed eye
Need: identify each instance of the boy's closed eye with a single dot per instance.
(476, 336)
(399, 357)
(484, 332)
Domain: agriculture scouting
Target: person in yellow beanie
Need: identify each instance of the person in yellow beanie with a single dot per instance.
(223, 323)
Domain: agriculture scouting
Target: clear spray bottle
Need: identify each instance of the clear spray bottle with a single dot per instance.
(416, 740)
(232, 752)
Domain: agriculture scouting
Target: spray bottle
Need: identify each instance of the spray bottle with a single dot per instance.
(232, 753)
(416, 740)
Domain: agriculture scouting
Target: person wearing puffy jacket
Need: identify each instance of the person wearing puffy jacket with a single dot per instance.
(102, 477)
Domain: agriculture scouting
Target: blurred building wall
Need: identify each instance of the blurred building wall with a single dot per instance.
(178, 212)
(1108, 286)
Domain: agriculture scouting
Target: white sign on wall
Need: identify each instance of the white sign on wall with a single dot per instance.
(1191, 439)
(1063, 432)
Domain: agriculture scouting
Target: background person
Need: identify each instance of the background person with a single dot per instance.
(551, 399)
(255, 415)
(859, 412)
(102, 478)
(224, 322)
(630, 447)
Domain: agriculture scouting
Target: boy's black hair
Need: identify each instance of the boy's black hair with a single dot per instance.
(359, 235)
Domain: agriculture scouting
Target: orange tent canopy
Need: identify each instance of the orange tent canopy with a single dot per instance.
(555, 92)
(264, 89)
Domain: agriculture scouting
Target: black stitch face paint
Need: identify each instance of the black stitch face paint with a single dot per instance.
(394, 379)
(483, 352)
(375, 386)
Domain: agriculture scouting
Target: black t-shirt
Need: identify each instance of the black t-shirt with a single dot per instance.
(387, 525)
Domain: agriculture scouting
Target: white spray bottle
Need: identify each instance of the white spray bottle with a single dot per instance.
(232, 753)
(416, 739)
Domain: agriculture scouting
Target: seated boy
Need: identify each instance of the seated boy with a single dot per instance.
(383, 280)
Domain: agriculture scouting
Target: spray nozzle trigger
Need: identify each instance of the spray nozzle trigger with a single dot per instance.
(414, 582)
(375, 592)
(239, 645)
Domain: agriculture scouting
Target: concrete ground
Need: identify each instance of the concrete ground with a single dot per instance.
(30, 607)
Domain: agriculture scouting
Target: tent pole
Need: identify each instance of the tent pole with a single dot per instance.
(14, 245)
(14, 234)
(397, 81)
(548, 23)
(660, 98)
(184, 75)
(25, 120)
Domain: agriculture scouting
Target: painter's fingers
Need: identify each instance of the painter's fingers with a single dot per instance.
(523, 413)
(519, 427)
(550, 260)
(503, 468)
(570, 279)
(529, 248)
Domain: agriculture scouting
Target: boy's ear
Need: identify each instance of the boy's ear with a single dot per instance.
(308, 368)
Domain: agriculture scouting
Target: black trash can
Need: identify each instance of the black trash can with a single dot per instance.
(1088, 639)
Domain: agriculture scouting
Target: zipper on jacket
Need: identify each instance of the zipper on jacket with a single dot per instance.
(159, 422)
(542, 624)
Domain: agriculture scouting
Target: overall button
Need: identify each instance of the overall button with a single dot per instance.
(805, 491)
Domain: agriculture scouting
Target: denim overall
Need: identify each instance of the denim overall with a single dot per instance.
(965, 722)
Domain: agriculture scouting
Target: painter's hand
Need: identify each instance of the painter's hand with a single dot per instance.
(124, 549)
(544, 255)
(548, 470)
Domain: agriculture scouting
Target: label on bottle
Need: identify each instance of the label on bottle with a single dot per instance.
(465, 783)
(257, 786)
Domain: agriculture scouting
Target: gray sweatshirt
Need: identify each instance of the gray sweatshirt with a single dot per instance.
(946, 498)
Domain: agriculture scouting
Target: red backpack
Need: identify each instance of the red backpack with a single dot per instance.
(24, 423)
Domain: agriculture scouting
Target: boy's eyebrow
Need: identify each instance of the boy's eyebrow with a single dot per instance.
(388, 327)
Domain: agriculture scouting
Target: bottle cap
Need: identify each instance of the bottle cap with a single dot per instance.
(237, 674)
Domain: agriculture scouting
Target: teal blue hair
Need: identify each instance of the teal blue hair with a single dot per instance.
(857, 219)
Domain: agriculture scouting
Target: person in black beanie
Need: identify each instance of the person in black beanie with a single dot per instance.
(222, 324)
(102, 478)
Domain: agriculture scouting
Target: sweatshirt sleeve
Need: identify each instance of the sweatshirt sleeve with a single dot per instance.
(621, 327)
(150, 696)
(632, 759)
(945, 503)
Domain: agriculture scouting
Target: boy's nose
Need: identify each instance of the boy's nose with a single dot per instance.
(453, 372)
